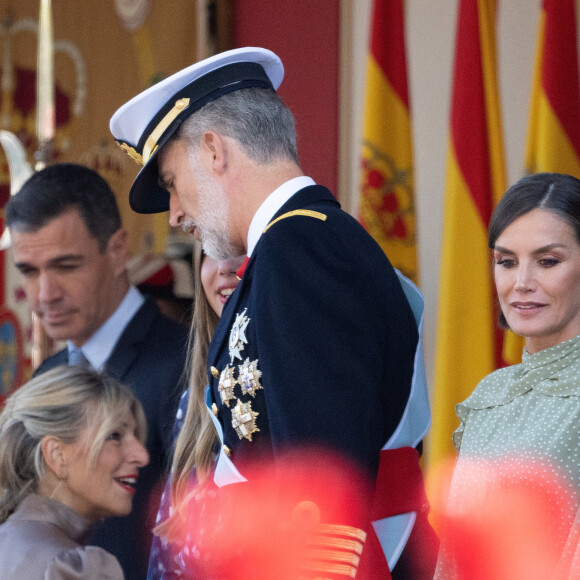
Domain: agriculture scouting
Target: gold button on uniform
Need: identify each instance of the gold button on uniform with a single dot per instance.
(214, 409)
(227, 450)
(215, 373)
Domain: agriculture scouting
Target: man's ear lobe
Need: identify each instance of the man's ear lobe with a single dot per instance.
(118, 248)
(214, 151)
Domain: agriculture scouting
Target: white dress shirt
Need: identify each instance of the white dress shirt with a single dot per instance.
(100, 346)
(271, 205)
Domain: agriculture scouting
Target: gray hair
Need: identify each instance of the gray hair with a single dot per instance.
(61, 402)
(256, 118)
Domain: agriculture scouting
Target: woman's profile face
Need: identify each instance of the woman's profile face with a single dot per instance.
(537, 277)
(219, 280)
(107, 489)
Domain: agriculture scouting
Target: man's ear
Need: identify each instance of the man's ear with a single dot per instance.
(54, 454)
(214, 152)
(118, 250)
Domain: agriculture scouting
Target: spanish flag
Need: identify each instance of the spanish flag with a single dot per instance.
(553, 142)
(467, 346)
(386, 204)
(554, 122)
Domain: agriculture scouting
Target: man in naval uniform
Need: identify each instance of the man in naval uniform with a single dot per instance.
(318, 347)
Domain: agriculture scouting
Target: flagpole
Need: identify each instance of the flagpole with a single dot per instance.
(45, 86)
(45, 130)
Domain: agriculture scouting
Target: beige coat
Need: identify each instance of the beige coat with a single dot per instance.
(42, 540)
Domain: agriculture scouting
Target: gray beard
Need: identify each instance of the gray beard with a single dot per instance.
(217, 245)
(212, 220)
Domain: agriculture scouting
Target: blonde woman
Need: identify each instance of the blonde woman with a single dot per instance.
(71, 446)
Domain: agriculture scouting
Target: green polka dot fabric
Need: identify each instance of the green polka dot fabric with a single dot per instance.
(521, 426)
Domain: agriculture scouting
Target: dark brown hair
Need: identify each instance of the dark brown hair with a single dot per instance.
(557, 193)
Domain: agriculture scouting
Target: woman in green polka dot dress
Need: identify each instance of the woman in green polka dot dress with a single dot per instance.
(513, 502)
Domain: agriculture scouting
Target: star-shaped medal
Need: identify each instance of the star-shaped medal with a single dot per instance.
(244, 420)
(238, 335)
(249, 377)
(226, 385)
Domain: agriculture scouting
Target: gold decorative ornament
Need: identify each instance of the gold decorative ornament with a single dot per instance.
(335, 556)
(333, 548)
(226, 385)
(340, 530)
(352, 545)
(249, 377)
(153, 139)
(244, 420)
(131, 152)
(302, 212)
(327, 568)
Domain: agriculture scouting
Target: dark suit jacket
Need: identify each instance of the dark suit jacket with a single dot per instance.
(321, 315)
(149, 358)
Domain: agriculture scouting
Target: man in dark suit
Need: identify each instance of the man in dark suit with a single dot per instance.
(70, 248)
(316, 348)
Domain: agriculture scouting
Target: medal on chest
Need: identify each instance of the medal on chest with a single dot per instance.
(244, 420)
(226, 385)
(244, 377)
(238, 338)
(249, 377)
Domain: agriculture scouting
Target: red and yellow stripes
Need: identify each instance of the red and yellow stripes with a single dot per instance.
(386, 203)
(554, 122)
(467, 339)
(553, 142)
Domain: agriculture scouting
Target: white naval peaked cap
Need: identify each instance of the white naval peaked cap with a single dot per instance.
(144, 124)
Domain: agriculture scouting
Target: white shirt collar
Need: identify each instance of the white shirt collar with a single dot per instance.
(271, 205)
(100, 346)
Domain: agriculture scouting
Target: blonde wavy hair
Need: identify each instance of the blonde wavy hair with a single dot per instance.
(62, 402)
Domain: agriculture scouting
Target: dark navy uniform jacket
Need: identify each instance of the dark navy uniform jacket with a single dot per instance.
(331, 330)
(318, 340)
